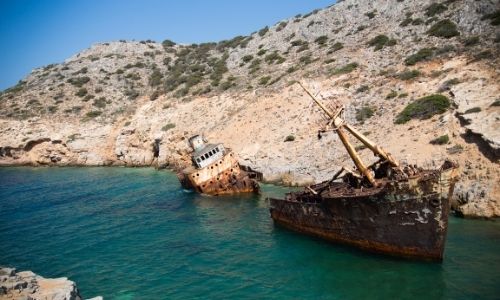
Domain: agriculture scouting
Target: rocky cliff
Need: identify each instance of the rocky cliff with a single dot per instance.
(117, 103)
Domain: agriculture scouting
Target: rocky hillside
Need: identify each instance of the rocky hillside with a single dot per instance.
(420, 78)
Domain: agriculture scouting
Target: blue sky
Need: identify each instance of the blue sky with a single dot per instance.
(36, 33)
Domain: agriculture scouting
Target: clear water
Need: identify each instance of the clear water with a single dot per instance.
(136, 234)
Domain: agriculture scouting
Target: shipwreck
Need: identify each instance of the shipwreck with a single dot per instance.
(215, 170)
(384, 207)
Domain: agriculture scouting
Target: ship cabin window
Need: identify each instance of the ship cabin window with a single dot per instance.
(198, 159)
(206, 155)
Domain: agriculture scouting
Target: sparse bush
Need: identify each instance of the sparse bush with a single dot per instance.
(408, 74)
(99, 102)
(93, 113)
(98, 90)
(345, 69)
(306, 59)
(290, 138)
(154, 95)
(247, 58)
(52, 109)
(261, 52)
(88, 97)
(441, 140)
(471, 41)
(303, 47)
(167, 44)
(435, 9)
(486, 54)
(329, 60)
(362, 89)
(494, 17)
(155, 78)
(495, 103)
(281, 26)
(321, 40)
(263, 31)
(444, 28)
(371, 14)
(79, 81)
(472, 110)
(423, 108)
(168, 127)
(81, 92)
(421, 55)
(378, 42)
(274, 57)
(392, 94)
(406, 22)
(264, 80)
(335, 47)
(364, 113)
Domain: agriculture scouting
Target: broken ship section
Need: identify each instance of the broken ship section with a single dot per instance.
(215, 171)
(383, 207)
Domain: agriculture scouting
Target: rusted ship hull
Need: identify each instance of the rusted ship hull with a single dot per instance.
(402, 219)
(225, 176)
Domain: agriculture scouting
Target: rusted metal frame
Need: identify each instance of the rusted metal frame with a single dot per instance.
(355, 157)
(371, 145)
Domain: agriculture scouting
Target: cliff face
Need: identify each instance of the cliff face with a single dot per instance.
(111, 104)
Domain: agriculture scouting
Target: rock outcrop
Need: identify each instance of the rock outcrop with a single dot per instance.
(135, 103)
(27, 285)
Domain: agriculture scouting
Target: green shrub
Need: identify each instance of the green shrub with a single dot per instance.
(417, 21)
(99, 102)
(364, 113)
(98, 90)
(88, 97)
(264, 80)
(306, 59)
(472, 110)
(406, 22)
(408, 74)
(371, 14)
(281, 26)
(261, 52)
(154, 95)
(486, 54)
(167, 44)
(290, 138)
(81, 92)
(329, 60)
(263, 31)
(495, 103)
(79, 81)
(345, 69)
(168, 127)
(335, 47)
(321, 40)
(274, 57)
(435, 9)
(296, 43)
(422, 54)
(156, 78)
(423, 108)
(362, 89)
(392, 94)
(494, 17)
(93, 113)
(52, 109)
(442, 140)
(378, 42)
(471, 41)
(444, 28)
(247, 58)
(303, 47)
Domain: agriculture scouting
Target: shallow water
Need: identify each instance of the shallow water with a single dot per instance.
(136, 234)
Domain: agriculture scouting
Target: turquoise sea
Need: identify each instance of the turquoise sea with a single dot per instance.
(136, 234)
